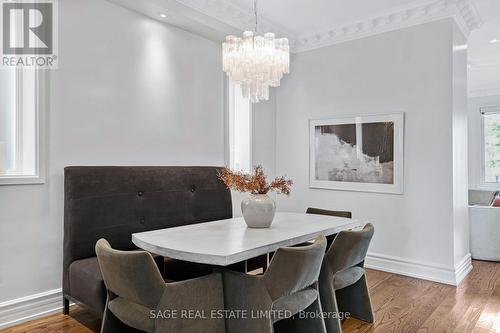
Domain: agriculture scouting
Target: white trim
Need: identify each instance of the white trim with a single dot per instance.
(231, 126)
(463, 268)
(227, 122)
(20, 180)
(420, 270)
(19, 117)
(482, 184)
(462, 11)
(41, 107)
(252, 135)
(215, 19)
(30, 307)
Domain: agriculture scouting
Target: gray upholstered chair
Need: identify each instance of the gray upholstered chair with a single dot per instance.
(287, 287)
(342, 282)
(137, 294)
(337, 213)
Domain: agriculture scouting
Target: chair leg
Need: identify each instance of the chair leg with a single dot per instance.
(112, 324)
(65, 306)
(308, 321)
(330, 308)
(355, 299)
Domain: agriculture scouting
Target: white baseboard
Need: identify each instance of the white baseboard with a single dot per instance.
(420, 270)
(30, 307)
(463, 268)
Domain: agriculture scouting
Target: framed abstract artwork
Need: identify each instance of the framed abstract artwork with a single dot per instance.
(360, 153)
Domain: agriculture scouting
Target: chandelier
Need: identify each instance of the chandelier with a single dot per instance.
(256, 62)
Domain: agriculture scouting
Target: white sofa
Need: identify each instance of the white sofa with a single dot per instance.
(485, 232)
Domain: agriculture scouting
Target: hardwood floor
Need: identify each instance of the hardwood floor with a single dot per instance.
(401, 305)
(79, 321)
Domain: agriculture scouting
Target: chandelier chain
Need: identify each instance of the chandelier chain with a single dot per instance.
(256, 17)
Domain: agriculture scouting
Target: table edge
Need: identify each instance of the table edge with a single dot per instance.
(222, 260)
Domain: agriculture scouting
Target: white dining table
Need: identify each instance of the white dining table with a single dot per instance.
(229, 241)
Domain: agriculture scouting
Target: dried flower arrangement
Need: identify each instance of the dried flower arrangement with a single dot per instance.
(254, 183)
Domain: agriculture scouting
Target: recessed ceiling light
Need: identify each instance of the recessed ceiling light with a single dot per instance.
(162, 15)
(493, 41)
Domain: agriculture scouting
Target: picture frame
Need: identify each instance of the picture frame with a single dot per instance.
(338, 162)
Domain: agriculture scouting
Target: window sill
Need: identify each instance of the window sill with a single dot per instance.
(21, 180)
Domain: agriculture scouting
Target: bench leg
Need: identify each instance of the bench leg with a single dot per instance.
(65, 306)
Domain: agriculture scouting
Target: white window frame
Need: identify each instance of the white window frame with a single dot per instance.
(229, 132)
(41, 105)
(482, 183)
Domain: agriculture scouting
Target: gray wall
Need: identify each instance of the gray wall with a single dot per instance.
(129, 91)
(411, 71)
(461, 238)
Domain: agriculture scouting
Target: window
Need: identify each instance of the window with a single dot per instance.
(20, 119)
(240, 130)
(490, 174)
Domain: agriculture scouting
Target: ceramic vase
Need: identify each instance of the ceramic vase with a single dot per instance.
(258, 210)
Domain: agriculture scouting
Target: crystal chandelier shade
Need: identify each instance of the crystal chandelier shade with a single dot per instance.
(256, 62)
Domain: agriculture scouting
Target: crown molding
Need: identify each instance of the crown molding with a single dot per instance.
(462, 11)
(214, 19)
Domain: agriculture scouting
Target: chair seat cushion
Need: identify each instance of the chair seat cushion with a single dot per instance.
(86, 283)
(293, 303)
(348, 277)
(132, 314)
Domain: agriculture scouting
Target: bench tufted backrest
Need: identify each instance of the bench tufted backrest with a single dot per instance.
(114, 202)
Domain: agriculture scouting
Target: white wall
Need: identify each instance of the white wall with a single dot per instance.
(474, 104)
(409, 70)
(128, 91)
(461, 241)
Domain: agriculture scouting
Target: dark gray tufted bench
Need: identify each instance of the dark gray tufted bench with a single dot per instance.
(114, 202)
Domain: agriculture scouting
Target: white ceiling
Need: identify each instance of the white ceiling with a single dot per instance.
(308, 16)
(311, 24)
(484, 57)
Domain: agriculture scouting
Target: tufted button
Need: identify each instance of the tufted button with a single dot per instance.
(193, 188)
(140, 193)
(142, 221)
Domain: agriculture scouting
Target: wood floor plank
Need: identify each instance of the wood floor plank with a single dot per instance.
(490, 316)
(375, 278)
(422, 308)
(79, 321)
(448, 314)
(401, 305)
(391, 317)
